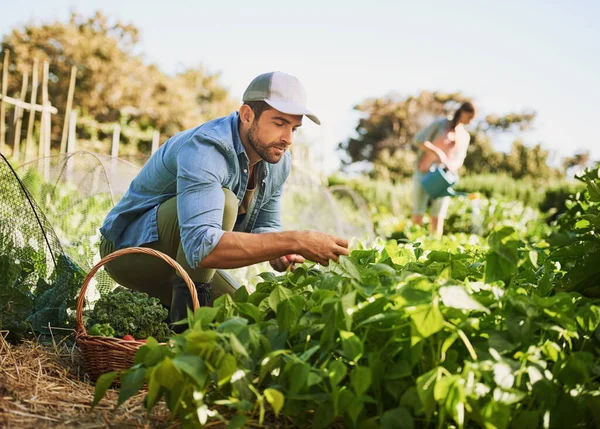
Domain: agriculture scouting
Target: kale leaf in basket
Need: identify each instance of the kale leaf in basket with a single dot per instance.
(131, 312)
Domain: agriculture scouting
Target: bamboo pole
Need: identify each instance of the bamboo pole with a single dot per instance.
(155, 139)
(34, 88)
(3, 103)
(114, 151)
(28, 106)
(18, 119)
(63, 141)
(43, 127)
(71, 141)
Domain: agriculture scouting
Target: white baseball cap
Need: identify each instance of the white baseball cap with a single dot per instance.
(282, 92)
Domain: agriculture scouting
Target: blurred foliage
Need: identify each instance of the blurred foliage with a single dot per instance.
(548, 196)
(114, 83)
(386, 130)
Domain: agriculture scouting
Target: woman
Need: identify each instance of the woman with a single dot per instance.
(445, 141)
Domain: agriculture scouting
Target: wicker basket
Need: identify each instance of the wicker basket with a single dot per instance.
(104, 354)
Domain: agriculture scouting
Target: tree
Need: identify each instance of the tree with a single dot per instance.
(112, 78)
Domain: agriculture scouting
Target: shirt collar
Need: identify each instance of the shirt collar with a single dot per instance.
(235, 132)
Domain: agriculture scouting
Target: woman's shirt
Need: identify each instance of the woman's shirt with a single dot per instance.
(454, 143)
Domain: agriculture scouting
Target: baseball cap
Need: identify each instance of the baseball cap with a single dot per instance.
(282, 92)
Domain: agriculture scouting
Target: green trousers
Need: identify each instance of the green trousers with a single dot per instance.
(146, 273)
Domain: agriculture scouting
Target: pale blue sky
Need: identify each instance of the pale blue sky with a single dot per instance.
(543, 55)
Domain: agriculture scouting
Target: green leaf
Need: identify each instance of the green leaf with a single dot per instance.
(458, 297)
(348, 301)
(278, 295)
(233, 325)
(351, 345)
(102, 384)
(588, 318)
(131, 383)
(397, 418)
(249, 310)
(298, 375)
(167, 374)
(495, 415)
(241, 295)
(337, 371)
(286, 315)
(204, 316)
(226, 369)
(154, 390)
(497, 268)
(427, 320)
(425, 388)
(237, 422)
(275, 398)
(237, 346)
(323, 416)
(193, 366)
(361, 379)
(438, 256)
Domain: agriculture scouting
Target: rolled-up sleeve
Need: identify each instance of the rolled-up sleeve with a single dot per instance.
(269, 216)
(202, 170)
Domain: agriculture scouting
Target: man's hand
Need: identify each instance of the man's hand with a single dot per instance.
(282, 263)
(321, 248)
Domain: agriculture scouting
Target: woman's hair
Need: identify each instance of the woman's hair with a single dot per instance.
(467, 106)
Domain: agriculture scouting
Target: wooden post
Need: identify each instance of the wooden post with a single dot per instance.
(63, 140)
(155, 138)
(2, 103)
(34, 88)
(71, 141)
(42, 146)
(18, 119)
(44, 149)
(114, 151)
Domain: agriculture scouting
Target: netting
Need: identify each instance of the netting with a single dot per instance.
(72, 193)
(76, 191)
(38, 281)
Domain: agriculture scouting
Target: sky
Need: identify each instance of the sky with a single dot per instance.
(508, 56)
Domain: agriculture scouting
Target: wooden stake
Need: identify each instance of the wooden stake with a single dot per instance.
(43, 127)
(33, 99)
(63, 141)
(155, 139)
(114, 151)
(18, 119)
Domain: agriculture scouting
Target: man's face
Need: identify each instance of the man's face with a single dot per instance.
(272, 134)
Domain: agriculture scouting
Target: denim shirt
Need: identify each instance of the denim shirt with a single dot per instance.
(195, 165)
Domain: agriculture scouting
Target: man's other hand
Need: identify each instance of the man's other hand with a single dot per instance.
(282, 263)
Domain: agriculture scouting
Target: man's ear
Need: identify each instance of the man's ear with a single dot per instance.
(246, 114)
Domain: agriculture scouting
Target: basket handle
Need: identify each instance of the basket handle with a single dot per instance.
(129, 250)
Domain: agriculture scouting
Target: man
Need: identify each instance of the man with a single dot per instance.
(210, 199)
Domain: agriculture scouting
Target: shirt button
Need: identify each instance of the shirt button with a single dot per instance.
(245, 171)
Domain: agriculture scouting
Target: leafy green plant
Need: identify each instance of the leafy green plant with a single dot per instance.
(130, 312)
(577, 241)
(393, 336)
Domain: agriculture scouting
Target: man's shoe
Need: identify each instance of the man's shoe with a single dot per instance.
(182, 300)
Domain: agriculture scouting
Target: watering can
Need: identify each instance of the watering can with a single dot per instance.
(439, 182)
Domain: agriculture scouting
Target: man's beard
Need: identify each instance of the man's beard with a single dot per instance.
(261, 149)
